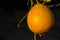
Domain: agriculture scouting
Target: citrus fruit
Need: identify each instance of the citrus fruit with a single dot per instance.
(39, 19)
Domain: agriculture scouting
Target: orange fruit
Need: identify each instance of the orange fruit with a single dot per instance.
(39, 18)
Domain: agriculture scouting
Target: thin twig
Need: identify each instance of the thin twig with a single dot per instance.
(50, 5)
(27, 2)
(44, 2)
(37, 1)
(58, 4)
(21, 20)
(34, 36)
(31, 2)
(54, 5)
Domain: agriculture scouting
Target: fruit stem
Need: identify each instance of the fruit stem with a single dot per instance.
(34, 36)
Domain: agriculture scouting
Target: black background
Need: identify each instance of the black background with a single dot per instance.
(10, 14)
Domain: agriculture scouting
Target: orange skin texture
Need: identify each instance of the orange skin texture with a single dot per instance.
(39, 19)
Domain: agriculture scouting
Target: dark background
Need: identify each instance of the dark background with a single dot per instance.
(10, 14)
